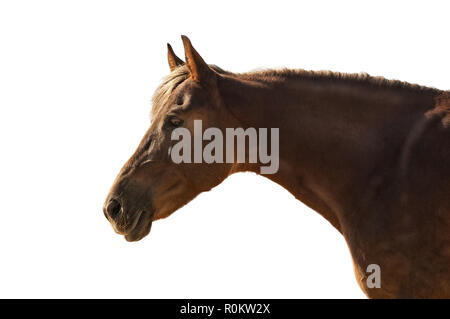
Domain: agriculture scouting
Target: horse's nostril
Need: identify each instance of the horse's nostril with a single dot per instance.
(113, 208)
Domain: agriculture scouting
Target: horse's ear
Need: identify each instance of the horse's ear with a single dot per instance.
(174, 61)
(198, 69)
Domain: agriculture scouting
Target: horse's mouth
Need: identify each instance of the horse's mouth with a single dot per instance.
(141, 227)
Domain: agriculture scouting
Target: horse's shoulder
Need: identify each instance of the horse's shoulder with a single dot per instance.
(428, 142)
(441, 109)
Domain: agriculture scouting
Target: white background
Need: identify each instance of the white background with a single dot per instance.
(76, 79)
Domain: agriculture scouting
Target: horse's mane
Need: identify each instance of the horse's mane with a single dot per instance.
(352, 78)
(181, 73)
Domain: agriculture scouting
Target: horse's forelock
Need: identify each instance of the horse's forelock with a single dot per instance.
(168, 84)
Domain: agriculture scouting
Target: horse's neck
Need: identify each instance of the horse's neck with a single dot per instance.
(333, 134)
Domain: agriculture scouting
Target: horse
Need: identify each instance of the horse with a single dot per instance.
(371, 155)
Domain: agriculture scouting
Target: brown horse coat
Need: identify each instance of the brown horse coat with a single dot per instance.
(369, 154)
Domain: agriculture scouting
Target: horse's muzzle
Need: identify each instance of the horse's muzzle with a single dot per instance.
(134, 226)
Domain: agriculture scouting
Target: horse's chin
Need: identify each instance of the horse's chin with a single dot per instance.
(142, 227)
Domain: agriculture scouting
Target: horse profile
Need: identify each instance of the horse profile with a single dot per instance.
(371, 155)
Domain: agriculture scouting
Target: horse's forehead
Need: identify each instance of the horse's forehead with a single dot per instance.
(187, 90)
(163, 96)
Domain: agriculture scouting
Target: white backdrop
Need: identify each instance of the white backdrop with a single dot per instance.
(76, 79)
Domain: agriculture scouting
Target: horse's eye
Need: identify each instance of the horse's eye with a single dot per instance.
(175, 121)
